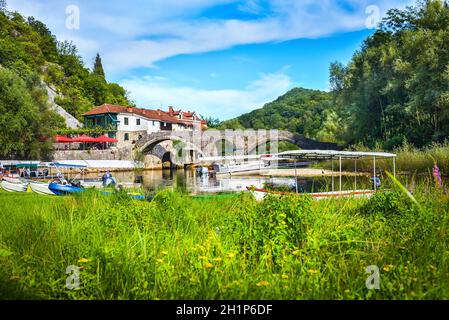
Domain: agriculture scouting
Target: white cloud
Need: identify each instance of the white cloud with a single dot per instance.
(152, 92)
(140, 33)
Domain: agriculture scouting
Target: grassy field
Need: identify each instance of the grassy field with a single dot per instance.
(177, 247)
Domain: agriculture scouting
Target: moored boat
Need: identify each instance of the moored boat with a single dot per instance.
(14, 187)
(64, 189)
(41, 188)
(260, 194)
(12, 180)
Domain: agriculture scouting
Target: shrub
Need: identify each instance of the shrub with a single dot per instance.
(387, 203)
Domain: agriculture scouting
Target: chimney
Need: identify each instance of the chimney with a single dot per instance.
(170, 110)
(159, 111)
(129, 109)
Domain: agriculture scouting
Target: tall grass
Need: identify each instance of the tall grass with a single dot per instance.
(177, 247)
(409, 160)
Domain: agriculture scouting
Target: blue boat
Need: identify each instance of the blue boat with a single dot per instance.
(64, 189)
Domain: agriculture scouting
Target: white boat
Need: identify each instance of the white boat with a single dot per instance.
(259, 194)
(239, 168)
(41, 188)
(14, 187)
(12, 180)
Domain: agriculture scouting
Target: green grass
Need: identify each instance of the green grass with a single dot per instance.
(178, 247)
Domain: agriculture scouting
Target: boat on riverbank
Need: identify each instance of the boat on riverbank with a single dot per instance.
(41, 188)
(14, 187)
(330, 155)
(260, 194)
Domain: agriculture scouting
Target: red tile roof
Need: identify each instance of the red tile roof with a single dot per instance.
(147, 113)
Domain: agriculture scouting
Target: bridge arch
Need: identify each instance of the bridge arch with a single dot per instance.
(150, 144)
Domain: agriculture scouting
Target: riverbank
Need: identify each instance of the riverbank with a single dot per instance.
(178, 247)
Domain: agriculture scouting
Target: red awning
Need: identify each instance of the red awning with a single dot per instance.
(62, 139)
(84, 138)
(105, 139)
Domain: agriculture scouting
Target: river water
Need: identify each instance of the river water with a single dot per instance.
(190, 181)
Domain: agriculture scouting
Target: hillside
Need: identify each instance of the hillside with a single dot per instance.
(303, 111)
(44, 86)
(28, 47)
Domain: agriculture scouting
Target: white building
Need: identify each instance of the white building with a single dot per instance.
(128, 124)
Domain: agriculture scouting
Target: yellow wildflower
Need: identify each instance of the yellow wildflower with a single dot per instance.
(160, 260)
(202, 258)
(208, 265)
(217, 259)
(231, 255)
(313, 271)
(388, 268)
(263, 284)
(83, 260)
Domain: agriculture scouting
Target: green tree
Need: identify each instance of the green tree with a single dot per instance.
(98, 66)
(26, 124)
(300, 111)
(397, 86)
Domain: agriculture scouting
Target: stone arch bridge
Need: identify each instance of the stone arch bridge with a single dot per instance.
(206, 143)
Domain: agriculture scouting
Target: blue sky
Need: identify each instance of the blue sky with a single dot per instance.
(220, 58)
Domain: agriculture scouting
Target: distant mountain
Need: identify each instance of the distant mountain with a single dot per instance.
(303, 111)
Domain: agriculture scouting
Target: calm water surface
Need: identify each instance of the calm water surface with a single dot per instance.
(190, 181)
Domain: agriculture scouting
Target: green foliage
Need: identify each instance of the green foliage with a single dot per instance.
(301, 111)
(28, 46)
(177, 247)
(387, 203)
(26, 123)
(98, 66)
(396, 87)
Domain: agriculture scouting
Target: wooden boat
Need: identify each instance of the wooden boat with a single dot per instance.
(260, 194)
(41, 188)
(14, 187)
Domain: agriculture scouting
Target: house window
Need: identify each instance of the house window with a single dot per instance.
(126, 121)
(126, 135)
(138, 122)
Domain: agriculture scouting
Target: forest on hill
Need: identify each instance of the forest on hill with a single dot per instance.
(303, 111)
(30, 57)
(395, 89)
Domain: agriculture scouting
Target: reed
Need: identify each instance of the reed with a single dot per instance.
(409, 160)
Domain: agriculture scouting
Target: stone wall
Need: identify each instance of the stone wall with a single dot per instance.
(111, 154)
(151, 161)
